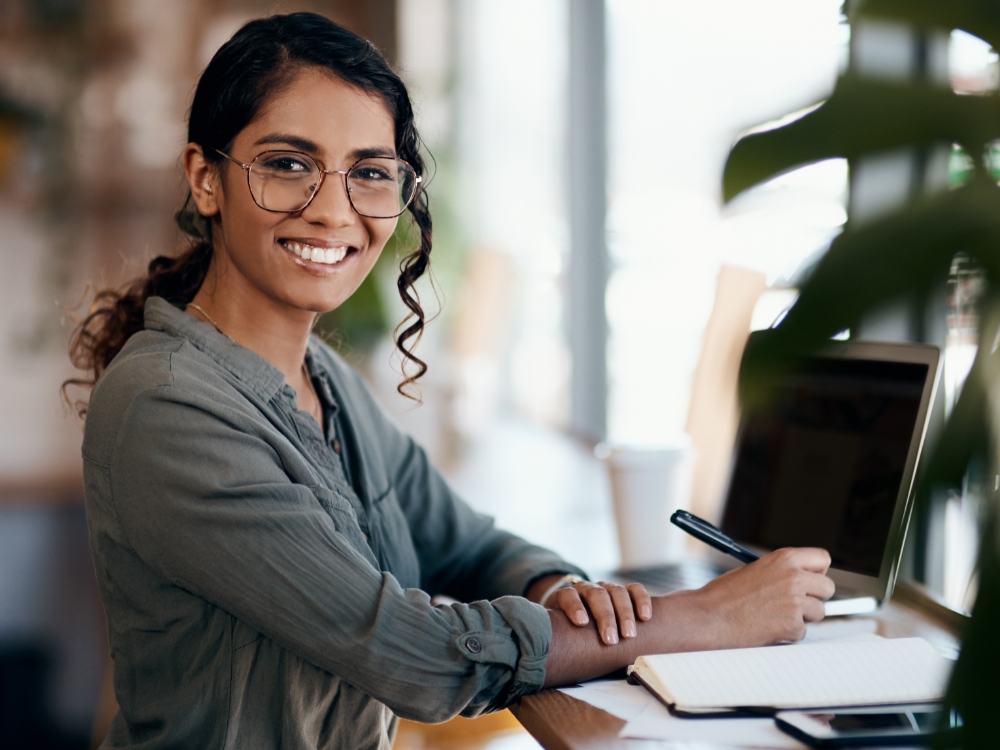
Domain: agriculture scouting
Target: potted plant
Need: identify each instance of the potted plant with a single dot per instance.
(905, 254)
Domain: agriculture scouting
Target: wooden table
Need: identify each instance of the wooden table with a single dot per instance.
(559, 722)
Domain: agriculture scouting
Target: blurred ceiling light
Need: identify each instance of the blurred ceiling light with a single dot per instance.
(972, 64)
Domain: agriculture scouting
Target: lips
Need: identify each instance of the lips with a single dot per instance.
(323, 255)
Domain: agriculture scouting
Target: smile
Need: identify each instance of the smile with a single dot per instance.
(326, 256)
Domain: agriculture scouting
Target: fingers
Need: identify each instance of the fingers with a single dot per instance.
(599, 602)
(813, 559)
(568, 600)
(816, 586)
(621, 600)
(641, 600)
(612, 606)
(771, 600)
(813, 610)
(806, 567)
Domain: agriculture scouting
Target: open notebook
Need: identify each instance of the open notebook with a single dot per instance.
(819, 675)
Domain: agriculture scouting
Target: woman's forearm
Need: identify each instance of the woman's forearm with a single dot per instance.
(578, 653)
(768, 601)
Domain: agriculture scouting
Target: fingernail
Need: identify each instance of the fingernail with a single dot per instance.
(630, 630)
(645, 611)
(580, 617)
(611, 636)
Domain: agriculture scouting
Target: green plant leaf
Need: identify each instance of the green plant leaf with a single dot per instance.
(899, 256)
(965, 433)
(974, 690)
(863, 116)
(977, 17)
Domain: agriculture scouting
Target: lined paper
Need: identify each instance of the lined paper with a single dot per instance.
(861, 672)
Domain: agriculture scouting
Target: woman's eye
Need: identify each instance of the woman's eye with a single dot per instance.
(371, 174)
(287, 165)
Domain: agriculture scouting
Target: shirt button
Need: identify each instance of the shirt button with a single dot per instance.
(474, 646)
(336, 446)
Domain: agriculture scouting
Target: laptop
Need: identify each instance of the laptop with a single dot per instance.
(829, 461)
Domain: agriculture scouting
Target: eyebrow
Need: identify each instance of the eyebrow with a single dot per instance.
(304, 144)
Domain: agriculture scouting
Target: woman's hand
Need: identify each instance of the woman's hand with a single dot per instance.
(614, 607)
(767, 601)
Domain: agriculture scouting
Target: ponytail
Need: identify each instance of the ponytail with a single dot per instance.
(115, 315)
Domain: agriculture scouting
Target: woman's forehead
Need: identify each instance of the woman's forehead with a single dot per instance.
(321, 110)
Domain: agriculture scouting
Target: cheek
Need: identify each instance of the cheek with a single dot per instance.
(380, 230)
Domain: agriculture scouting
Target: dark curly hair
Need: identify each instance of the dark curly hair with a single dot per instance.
(257, 62)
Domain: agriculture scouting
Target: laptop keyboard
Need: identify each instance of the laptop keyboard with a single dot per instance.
(662, 579)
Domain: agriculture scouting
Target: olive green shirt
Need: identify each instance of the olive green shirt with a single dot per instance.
(267, 581)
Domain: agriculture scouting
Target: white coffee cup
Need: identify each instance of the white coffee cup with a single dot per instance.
(648, 483)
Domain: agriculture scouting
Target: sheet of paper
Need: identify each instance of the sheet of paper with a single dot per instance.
(654, 722)
(616, 697)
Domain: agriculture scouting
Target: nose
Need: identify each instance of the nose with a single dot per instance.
(331, 204)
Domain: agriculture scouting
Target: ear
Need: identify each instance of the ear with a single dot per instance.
(203, 179)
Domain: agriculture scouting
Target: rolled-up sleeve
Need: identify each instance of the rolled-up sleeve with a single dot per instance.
(203, 499)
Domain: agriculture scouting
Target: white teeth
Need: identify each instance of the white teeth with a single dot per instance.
(317, 254)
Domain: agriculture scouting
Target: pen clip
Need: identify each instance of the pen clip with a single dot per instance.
(696, 519)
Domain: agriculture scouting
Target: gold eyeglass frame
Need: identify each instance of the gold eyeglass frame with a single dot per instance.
(417, 179)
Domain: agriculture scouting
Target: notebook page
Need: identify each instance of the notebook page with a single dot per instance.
(904, 670)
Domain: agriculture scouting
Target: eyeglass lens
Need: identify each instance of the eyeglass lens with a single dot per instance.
(378, 187)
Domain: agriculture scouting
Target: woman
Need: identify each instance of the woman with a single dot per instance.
(266, 541)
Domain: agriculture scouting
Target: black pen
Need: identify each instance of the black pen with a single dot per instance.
(710, 535)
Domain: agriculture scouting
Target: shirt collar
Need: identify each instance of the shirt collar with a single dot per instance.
(259, 375)
(319, 373)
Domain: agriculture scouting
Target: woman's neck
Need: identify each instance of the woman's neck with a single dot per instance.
(266, 326)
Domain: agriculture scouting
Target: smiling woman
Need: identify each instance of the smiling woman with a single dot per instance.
(266, 541)
(309, 249)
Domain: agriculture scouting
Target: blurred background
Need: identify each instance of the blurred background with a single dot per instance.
(590, 285)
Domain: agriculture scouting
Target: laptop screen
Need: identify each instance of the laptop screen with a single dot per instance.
(821, 464)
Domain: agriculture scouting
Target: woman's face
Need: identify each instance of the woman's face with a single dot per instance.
(336, 124)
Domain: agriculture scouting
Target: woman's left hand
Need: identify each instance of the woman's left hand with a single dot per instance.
(614, 607)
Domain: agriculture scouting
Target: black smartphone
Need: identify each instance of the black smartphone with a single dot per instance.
(896, 725)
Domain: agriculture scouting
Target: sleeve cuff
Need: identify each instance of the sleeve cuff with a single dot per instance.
(517, 636)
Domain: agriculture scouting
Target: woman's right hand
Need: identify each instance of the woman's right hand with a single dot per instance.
(767, 601)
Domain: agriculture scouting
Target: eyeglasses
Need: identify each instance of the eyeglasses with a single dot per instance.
(378, 187)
